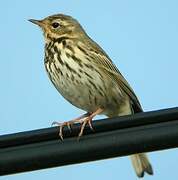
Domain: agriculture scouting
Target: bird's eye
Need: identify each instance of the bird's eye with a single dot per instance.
(55, 24)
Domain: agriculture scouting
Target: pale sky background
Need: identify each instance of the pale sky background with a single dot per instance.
(141, 37)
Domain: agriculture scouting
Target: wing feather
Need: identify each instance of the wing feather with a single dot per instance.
(101, 59)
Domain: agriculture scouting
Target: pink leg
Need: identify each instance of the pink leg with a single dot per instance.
(88, 121)
(70, 123)
(84, 120)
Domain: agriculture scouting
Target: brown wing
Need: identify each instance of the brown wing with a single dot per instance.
(104, 62)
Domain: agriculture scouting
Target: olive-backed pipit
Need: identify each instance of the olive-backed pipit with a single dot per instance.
(85, 75)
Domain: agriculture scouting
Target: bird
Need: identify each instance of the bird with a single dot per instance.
(84, 75)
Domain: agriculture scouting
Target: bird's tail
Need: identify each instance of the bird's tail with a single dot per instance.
(141, 164)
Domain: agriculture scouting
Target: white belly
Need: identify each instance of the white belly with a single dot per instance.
(83, 85)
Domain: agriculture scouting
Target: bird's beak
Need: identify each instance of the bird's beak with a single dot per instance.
(37, 22)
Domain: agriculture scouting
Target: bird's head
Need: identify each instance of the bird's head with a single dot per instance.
(59, 25)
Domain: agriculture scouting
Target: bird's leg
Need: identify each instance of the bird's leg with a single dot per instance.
(88, 120)
(84, 120)
(70, 123)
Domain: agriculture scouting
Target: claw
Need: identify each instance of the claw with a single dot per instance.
(90, 124)
(60, 132)
(84, 120)
(61, 125)
(82, 127)
(69, 126)
(84, 123)
(55, 123)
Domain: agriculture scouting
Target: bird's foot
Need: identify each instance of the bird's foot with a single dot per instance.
(69, 123)
(83, 120)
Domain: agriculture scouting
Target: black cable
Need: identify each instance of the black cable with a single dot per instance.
(113, 137)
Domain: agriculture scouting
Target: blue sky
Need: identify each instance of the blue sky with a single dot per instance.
(141, 37)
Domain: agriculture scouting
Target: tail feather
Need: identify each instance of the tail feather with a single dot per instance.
(141, 164)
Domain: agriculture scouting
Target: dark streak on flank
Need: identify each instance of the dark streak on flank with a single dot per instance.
(67, 75)
(49, 45)
(88, 59)
(64, 43)
(56, 50)
(49, 66)
(89, 87)
(83, 50)
(88, 75)
(48, 71)
(46, 60)
(101, 89)
(68, 55)
(90, 99)
(76, 59)
(115, 100)
(99, 73)
(72, 77)
(57, 69)
(81, 65)
(79, 75)
(89, 66)
(69, 68)
(72, 70)
(90, 93)
(50, 54)
(92, 84)
(70, 48)
(77, 81)
(60, 60)
(95, 99)
(101, 93)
